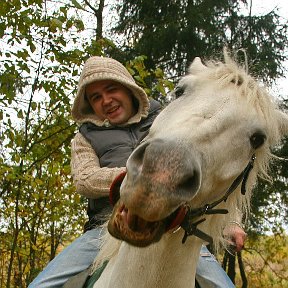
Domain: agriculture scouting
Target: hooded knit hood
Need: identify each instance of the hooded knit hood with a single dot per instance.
(101, 68)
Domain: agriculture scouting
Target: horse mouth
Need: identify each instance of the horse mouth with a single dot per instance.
(136, 231)
(133, 229)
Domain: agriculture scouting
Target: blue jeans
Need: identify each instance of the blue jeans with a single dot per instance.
(209, 273)
(81, 253)
(78, 256)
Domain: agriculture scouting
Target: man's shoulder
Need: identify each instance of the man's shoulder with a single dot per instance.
(155, 106)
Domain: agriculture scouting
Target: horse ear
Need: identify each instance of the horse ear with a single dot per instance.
(283, 122)
(196, 66)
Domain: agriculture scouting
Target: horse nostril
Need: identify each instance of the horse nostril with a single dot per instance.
(135, 161)
(189, 182)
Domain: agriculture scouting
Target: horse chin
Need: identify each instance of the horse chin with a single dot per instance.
(132, 229)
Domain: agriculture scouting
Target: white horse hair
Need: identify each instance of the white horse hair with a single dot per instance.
(196, 147)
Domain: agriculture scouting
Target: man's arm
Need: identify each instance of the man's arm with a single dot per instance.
(90, 179)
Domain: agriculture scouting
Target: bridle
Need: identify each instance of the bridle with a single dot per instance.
(190, 226)
(185, 216)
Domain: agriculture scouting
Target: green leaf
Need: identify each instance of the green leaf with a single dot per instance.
(55, 23)
(76, 4)
(33, 106)
(20, 114)
(32, 46)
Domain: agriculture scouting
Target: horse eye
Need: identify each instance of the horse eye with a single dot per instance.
(257, 139)
(179, 91)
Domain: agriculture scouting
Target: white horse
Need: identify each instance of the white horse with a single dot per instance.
(184, 168)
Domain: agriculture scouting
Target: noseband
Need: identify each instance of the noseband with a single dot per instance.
(185, 216)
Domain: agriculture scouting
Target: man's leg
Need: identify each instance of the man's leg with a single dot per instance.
(209, 273)
(78, 256)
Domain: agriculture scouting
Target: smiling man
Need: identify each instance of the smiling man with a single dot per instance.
(110, 100)
(113, 113)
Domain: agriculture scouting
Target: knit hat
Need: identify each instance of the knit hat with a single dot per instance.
(101, 68)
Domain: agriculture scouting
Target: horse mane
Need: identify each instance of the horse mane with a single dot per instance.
(109, 247)
(227, 74)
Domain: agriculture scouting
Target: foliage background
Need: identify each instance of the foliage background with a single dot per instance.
(43, 45)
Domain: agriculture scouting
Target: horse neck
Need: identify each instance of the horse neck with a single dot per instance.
(166, 264)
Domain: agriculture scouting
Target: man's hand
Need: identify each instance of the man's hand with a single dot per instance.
(235, 236)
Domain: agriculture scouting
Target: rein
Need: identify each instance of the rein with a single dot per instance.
(185, 216)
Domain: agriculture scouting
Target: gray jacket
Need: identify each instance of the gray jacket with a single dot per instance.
(113, 145)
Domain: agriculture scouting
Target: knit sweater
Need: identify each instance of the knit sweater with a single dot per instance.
(89, 178)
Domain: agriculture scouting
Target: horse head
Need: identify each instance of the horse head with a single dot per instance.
(196, 148)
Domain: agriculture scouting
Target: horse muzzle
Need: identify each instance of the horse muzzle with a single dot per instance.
(131, 228)
(162, 176)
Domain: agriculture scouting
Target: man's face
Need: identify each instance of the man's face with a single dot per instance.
(110, 100)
